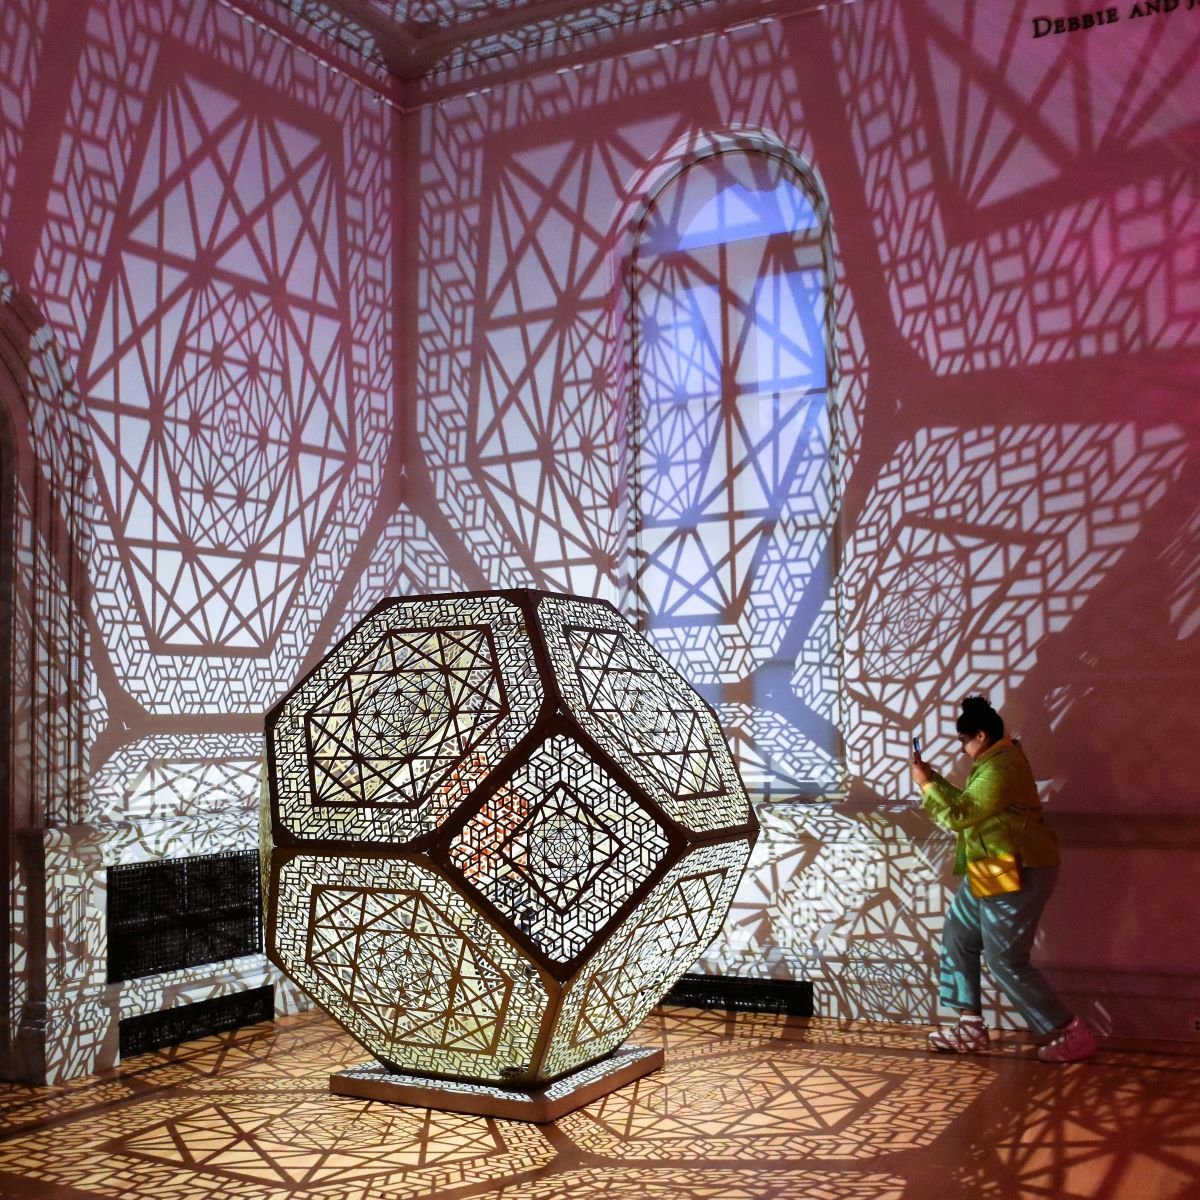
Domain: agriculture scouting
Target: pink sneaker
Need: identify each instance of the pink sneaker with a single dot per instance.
(1073, 1043)
(968, 1036)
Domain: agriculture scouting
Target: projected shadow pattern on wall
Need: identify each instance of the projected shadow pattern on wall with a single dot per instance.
(1012, 234)
(203, 223)
(239, 405)
(503, 826)
(734, 475)
(994, 498)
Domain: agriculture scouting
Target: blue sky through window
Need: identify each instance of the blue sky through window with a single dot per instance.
(738, 212)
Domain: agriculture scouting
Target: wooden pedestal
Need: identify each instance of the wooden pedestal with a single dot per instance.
(539, 1105)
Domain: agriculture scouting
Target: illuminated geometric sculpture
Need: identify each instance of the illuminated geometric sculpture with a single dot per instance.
(502, 827)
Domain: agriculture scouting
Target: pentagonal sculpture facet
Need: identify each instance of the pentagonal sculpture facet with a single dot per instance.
(502, 826)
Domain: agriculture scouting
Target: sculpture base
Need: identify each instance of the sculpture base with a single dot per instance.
(539, 1105)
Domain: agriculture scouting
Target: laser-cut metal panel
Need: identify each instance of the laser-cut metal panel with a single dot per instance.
(560, 848)
(403, 719)
(394, 952)
(503, 825)
(637, 966)
(627, 696)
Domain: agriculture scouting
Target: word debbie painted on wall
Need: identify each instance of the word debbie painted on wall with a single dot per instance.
(1093, 20)
(1042, 26)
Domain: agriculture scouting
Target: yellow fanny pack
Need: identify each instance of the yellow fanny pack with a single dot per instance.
(994, 876)
(997, 874)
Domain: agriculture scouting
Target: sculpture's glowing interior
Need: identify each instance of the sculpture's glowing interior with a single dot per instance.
(503, 825)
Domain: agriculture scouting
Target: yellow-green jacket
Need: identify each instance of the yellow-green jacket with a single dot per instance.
(996, 812)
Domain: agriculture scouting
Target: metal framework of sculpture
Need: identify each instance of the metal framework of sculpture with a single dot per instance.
(502, 827)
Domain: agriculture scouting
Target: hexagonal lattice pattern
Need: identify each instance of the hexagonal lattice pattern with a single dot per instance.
(503, 826)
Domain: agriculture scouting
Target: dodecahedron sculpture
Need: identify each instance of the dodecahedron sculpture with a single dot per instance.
(503, 826)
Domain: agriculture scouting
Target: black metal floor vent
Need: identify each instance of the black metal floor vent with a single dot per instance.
(186, 1022)
(790, 997)
(182, 912)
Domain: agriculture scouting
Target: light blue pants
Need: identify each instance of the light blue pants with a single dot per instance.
(1001, 929)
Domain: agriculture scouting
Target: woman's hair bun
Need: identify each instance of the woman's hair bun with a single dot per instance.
(979, 716)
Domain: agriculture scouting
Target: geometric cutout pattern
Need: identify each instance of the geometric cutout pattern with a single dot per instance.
(402, 720)
(563, 845)
(405, 713)
(402, 959)
(633, 703)
(502, 827)
(635, 967)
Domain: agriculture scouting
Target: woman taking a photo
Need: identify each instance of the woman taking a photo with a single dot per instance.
(1008, 856)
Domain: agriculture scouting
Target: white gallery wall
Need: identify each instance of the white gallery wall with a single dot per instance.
(275, 346)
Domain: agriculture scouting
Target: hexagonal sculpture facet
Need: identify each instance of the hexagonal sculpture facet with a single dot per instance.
(502, 826)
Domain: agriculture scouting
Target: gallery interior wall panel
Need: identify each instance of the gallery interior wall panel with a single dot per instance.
(288, 350)
(963, 116)
(209, 379)
(1018, 467)
(240, 404)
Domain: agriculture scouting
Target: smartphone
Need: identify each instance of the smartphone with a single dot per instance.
(917, 746)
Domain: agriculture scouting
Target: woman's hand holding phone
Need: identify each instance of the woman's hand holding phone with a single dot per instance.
(921, 774)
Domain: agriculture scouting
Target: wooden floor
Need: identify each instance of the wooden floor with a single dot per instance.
(746, 1108)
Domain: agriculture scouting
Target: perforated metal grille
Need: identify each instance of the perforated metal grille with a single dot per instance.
(183, 912)
(185, 1023)
(793, 997)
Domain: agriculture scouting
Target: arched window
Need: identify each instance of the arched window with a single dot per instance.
(733, 475)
